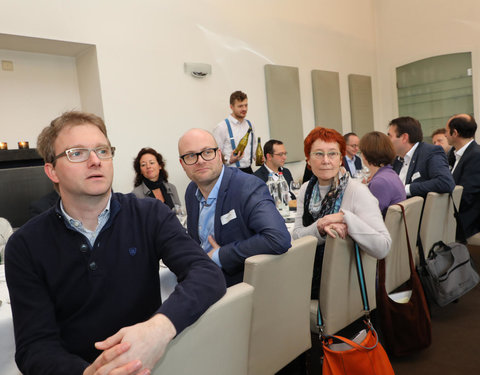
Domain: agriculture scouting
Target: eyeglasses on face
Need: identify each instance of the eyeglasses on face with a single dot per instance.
(78, 155)
(280, 154)
(207, 155)
(331, 155)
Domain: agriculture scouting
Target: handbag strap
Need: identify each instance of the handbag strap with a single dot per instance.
(363, 292)
(409, 247)
(359, 346)
(462, 238)
(381, 262)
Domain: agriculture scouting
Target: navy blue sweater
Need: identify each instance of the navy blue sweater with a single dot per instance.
(66, 295)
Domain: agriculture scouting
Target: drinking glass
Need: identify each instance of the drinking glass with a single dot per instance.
(295, 187)
(181, 214)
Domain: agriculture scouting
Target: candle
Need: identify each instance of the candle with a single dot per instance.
(23, 144)
(3, 146)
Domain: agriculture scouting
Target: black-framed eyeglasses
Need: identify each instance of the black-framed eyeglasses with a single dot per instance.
(207, 155)
(78, 155)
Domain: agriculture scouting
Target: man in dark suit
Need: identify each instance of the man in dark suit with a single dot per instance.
(275, 158)
(465, 165)
(230, 213)
(351, 161)
(422, 167)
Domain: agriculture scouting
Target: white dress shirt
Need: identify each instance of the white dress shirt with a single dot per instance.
(459, 154)
(239, 128)
(406, 163)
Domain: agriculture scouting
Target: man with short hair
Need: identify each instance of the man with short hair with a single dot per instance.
(230, 131)
(421, 167)
(440, 139)
(460, 133)
(275, 158)
(83, 276)
(351, 161)
(230, 213)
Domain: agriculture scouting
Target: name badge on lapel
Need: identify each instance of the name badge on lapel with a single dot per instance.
(229, 216)
(416, 175)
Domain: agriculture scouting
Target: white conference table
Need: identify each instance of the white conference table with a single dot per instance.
(168, 281)
(7, 340)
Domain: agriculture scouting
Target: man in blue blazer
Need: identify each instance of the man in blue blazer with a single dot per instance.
(230, 213)
(466, 171)
(422, 167)
(351, 161)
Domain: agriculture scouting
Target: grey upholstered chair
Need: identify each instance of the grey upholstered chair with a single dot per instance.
(340, 299)
(397, 267)
(217, 343)
(281, 299)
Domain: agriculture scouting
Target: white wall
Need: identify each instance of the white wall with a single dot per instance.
(39, 86)
(411, 30)
(141, 46)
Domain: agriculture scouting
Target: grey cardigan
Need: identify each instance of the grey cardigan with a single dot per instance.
(142, 191)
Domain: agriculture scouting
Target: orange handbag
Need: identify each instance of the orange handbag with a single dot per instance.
(362, 355)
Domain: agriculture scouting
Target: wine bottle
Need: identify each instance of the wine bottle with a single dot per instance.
(259, 154)
(243, 143)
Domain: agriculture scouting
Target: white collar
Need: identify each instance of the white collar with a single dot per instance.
(460, 152)
(234, 120)
(409, 154)
(269, 170)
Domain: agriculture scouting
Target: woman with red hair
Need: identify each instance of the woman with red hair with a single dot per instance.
(331, 203)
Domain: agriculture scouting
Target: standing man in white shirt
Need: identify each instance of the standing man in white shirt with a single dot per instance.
(230, 131)
(351, 160)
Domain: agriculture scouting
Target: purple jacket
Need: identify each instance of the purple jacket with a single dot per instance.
(387, 187)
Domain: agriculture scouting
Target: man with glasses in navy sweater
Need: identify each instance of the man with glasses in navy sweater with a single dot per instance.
(84, 275)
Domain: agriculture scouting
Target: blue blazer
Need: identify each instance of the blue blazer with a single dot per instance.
(467, 174)
(428, 171)
(357, 162)
(257, 229)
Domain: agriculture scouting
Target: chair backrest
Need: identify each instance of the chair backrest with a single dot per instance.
(217, 343)
(281, 302)
(397, 267)
(438, 221)
(340, 299)
(451, 223)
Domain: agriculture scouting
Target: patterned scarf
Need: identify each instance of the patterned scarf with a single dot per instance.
(315, 207)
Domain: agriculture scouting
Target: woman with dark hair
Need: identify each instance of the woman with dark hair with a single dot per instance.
(378, 154)
(331, 203)
(151, 178)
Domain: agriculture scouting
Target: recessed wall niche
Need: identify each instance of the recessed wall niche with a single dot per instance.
(44, 78)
